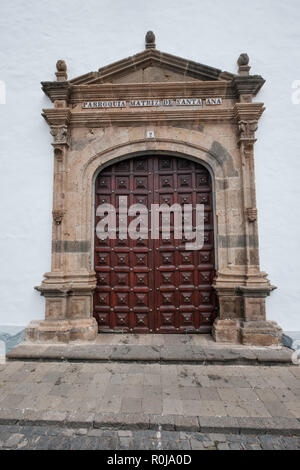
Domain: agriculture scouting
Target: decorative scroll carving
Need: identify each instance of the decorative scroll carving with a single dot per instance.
(60, 134)
(251, 213)
(247, 129)
(247, 135)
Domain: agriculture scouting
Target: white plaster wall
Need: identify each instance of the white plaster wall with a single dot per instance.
(92, 33)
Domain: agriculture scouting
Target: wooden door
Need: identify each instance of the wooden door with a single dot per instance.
(155, 286)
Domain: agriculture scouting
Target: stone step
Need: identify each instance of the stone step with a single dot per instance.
(134, 421)
(178, 353)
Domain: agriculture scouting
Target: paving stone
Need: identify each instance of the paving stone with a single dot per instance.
(213, 424)
(223, 446)
(125, 443)
(121, 421)
(209, 393)
(14, 440)
(131, 405)
(233, 446)
(196, 445)
(11, 401)
(125, 434)
(278, 410)
(152, 405)
(218, 437)
(187, 423)
(172, 406)
(162, 422)
(255, 447)
(81, 432)
(293, 407)
(209, 444)
(78, 443)
(10, 416)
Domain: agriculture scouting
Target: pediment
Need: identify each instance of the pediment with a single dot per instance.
(152, 66)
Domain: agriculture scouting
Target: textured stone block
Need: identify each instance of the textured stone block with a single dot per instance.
(121, 421)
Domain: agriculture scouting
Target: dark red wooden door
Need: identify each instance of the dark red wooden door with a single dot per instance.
(147, 285)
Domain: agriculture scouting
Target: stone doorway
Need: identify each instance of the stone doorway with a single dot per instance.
(155, 103)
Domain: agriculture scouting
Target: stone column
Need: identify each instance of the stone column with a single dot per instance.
(68, 293)
(242, 315)
(254, 329)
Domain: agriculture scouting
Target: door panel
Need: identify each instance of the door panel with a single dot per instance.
(155, 286)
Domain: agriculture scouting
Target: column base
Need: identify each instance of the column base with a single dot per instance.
(62, 331)
(226, 331)
(260, 333)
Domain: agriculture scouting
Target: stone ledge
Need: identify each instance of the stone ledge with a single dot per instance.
(134, 421)
(210, 355)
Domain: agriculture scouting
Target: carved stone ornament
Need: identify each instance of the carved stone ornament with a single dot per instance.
(58, 215)
(247, 129)
(243, 59)
(61, 73)
(243, 63)
(61, 66)
(60, 134)
(251, 213)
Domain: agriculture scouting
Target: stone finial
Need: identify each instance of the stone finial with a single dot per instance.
(243, 63)
(61, 73)
(150, 40)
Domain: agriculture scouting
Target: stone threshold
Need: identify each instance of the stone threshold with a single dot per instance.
(208, 354)
(135, 421)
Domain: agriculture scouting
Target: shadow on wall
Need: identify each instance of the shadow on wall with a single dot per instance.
(291, 339)
(10, 336)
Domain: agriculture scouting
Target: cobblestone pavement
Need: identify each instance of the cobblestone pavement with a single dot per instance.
(184, 390)
(55, 438)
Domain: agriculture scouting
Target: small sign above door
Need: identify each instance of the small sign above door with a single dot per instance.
(152, 103)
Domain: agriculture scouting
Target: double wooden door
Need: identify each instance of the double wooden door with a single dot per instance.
(154, 285)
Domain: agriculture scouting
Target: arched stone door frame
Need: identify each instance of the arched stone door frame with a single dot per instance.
(100, 161)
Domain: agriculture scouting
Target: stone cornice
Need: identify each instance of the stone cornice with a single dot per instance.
(79, 93)
(247, 85)
(95, 118)
(56, 90)
(57, 116)
(248, 111)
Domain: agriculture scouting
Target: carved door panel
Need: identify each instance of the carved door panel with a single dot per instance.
(146, 285)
